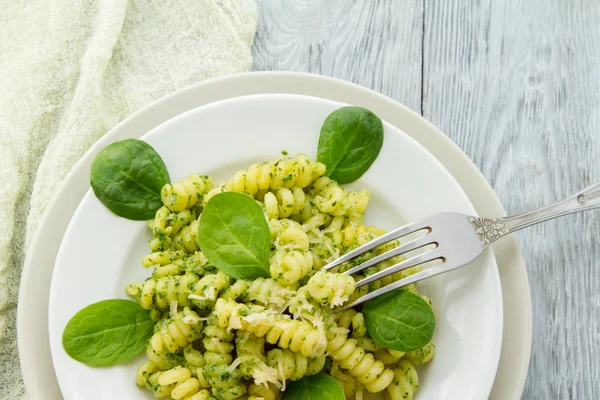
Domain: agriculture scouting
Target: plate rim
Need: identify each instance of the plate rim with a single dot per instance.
(516, 346)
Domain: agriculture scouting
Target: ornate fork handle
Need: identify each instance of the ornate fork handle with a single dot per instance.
(492, 229)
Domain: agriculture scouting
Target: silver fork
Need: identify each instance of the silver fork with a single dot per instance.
(454, 240)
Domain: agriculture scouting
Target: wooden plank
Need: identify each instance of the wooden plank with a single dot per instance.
(516, 85)
(376, 44)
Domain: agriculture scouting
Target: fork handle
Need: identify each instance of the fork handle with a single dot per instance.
(585, 199)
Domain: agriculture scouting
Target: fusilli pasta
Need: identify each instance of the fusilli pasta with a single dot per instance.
(292, 365)
(221, 338)
(405, 382)
(284, 172)
(174, 333)
(298, 336)
(185, 193)
(359, 363)
(331, 288)
(160, 292)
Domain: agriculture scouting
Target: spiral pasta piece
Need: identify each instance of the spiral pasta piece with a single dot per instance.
(187, 238)
(302, 305)
(359, 363)
(176, 383)
(367, 343)
(207, 289)
(263, 392)
(194, 263)
(405, 383)
(143, 372)
(238, 290)
(288, 268)
(160, 242)
(167, 224)
(217, 343)
(180, 220)
(330, 198)
(351, 236)
(284, 202)
(421, 356)
(159, 293)
(203, 394)
(193, 358)
(359, 327)
(388, 356)
(298, 336)
(162, 257)
(331, 288)
(352, 320)
(163, 271)
(157, 390)
(185, 193)
(292, 237)
(224, 384)
(250, 350)
(267, 291)
(161, 219)
(356, 204)
(173, 333)
(317, 222)
(284, 172)
(164, 360)
(294, 366)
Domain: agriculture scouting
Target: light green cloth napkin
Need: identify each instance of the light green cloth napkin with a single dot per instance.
(71, 70)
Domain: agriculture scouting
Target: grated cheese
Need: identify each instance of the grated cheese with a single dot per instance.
(338, 300)
(281, 375)
(192, 320)
(173, 309)
(315, 320)
(263, 374)
(210, 293)
(234, 322)
(236, 362)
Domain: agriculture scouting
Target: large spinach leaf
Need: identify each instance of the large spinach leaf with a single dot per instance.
(351, 138)
(400, 320)
(108, 332)
(234, 236)
(127, 177)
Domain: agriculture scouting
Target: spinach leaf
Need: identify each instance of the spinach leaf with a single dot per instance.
(319, 386)
(108, 332)
(351, 138)
(400, 320)
(234, 236)
(127, 177)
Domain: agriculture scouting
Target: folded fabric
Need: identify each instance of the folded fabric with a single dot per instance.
(69, 71)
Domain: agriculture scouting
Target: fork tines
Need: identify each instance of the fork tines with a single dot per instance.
(428, 239)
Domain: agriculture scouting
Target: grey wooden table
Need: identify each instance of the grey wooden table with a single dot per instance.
(516, 84)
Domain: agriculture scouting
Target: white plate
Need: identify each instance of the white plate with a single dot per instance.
(33, 297)
(101, 252)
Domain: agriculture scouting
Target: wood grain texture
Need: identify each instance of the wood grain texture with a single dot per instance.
(364, 42)
(516, 84)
